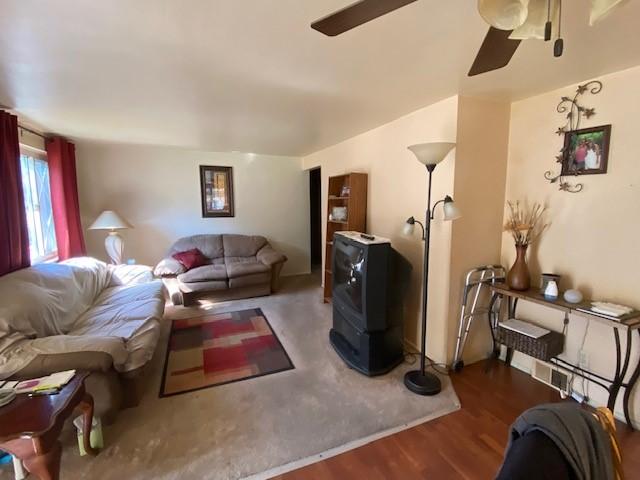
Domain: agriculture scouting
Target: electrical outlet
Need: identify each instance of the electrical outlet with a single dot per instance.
(583, 359)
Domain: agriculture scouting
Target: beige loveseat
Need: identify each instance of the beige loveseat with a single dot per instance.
(238, 266)
(82, 314)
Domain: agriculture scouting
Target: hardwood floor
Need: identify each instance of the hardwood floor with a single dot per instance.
(467, 444)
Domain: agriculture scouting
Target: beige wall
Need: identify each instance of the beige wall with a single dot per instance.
(157, 189)
(593, 237)
(397, 190)
(479, 189)
(474, 174)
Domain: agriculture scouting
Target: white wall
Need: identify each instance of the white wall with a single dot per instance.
(593, 237)
(397, 190)
(158, 190)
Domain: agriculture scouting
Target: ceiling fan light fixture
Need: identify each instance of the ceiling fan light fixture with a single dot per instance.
(536, 24)
(504, 14)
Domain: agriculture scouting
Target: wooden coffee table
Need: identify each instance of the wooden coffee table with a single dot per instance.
(30, 426)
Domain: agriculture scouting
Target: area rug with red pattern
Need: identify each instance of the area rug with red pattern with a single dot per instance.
(216, 349)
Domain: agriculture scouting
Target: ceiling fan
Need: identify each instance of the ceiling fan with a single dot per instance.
(510, 22)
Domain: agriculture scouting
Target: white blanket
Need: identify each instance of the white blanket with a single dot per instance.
(81, 304)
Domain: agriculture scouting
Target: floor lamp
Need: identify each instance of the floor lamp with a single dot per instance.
(429, 154)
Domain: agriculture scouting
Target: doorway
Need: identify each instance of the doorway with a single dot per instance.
(315, 217)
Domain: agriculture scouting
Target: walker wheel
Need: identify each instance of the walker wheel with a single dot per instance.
(458, 366)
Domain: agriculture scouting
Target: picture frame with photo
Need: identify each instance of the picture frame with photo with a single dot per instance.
(216, 191)
(586, 151)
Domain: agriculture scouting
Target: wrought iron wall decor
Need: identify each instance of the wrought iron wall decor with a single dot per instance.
(574, 112)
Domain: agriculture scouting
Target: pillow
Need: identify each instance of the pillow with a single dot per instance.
(191, 258)
(169, 267)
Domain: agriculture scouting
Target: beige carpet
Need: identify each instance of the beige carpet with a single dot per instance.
(263, 426)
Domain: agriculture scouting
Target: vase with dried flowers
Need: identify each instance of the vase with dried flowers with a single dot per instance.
(525, 226)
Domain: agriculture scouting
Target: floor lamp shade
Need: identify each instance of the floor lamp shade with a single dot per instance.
(113, 244)
(431, 153)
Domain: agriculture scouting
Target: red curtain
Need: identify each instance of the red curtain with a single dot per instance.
(14, 236)
(61, 156)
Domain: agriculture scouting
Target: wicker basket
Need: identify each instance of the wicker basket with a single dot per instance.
(543, 348)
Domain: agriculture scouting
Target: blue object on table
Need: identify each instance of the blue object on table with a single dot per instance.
(5, 458)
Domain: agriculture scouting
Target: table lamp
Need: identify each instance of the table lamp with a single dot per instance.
(113, 244)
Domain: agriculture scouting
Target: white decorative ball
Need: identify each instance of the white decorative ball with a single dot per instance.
(573, 296)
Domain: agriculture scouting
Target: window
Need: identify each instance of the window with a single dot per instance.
(37, 201)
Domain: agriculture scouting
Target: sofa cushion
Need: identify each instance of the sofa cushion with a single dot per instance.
(210, 245)
(122, 311)
(125, 274)
(250, 280)
(47, 298)
(124, 294)
(48, 363)
(242, 245)
(168, 267)
(129, 314)
(204, 286)
(269, 256)
(230, 260)
(237, 269)
(204, 274)
(191, 258)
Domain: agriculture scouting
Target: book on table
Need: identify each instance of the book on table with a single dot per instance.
(50, 383)
(610, 311)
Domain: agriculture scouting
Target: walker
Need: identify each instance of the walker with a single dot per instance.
(476, 280)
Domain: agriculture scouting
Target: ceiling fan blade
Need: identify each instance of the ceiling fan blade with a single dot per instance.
(356, 14)
(495, 52)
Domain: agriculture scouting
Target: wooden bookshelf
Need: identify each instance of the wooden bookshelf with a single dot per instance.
(356, 203)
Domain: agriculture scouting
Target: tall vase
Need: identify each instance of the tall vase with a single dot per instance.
(518, 277)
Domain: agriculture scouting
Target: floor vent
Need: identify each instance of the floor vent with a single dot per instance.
(551, 375)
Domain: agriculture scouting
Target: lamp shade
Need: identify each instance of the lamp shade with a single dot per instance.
(408, 227)
(451, 210)
(431, 153)
(110, 220)
(534, 26)
(503, 14)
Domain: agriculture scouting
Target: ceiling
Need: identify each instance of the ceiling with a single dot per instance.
(252, 76)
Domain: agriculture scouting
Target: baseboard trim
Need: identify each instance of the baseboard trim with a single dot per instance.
(303, 462)
(295, 274)
(414, 349)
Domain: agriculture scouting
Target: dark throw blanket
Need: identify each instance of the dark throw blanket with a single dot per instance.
(573, 445)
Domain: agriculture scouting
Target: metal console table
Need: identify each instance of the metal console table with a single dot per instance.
(627, 326)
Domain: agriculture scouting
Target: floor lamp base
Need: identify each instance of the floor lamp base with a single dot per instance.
(422, 384)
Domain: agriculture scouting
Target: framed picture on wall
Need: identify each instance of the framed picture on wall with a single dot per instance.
(586, 151)
(216, 190)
